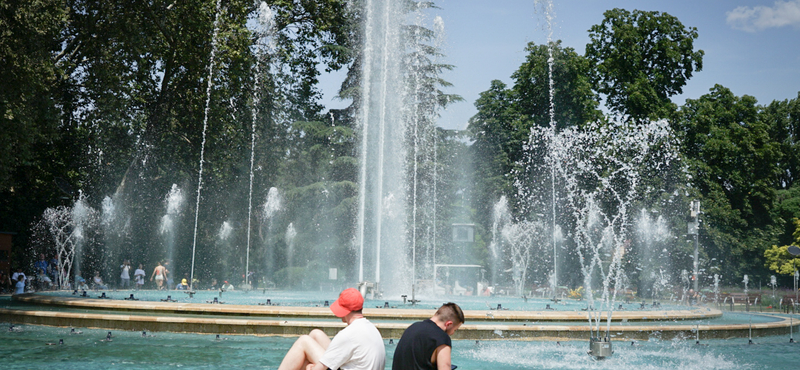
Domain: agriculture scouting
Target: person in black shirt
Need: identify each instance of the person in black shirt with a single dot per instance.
(426, 345)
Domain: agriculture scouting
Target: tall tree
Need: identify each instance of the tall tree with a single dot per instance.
(29, 46)
(734, 162)
(783, 119)
(640, 59)
(574, 100)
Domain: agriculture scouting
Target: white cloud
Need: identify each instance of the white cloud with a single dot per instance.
(757, 18)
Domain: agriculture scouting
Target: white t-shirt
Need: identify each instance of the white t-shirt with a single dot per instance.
(16, 275)
(139, 275)
(125, 269)
(359, 346)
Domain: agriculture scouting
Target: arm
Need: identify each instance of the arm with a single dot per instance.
(442, 354)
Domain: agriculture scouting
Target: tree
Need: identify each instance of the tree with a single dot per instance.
(640, 59)
(783, 119)
(117, 91)
(574, 100)
(734, 165)
(28, 79)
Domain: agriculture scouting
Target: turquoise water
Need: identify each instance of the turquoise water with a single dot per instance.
(29, 349)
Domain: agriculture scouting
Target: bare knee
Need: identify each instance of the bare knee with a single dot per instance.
(305, 338)
(316, 334)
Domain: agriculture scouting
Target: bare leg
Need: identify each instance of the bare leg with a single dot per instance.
(307, 349)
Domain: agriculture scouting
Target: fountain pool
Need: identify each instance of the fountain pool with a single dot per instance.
(318, 298)
(27, 347)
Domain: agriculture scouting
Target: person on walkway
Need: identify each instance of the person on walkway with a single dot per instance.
(426, 345)
(125, 276)
(138, 276)
(358, 346)
(160, 275)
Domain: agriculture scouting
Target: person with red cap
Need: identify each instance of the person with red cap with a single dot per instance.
(359, 346)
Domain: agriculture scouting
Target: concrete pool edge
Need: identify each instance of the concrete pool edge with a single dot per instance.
(283, 327)
(377, 313)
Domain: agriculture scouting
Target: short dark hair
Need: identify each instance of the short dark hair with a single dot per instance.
(450, 312)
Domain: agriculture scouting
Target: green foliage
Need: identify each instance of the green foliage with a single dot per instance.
(779, 259)
(29, 31)
(505, 116)
(735, 166)
(640, 59)
(574, 100)
(783, 118)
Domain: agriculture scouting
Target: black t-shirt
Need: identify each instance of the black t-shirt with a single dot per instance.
(416, 346)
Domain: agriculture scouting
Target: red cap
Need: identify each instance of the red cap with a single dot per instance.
(349, 300)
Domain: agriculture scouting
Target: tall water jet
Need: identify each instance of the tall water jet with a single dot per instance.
(115, 228)
(173, 203)
(108, 217)
(82, 216)
(264, 43)
(500, 217)
(422, 142)
(380, 121)
(209, 84)
(549, 15)
(269, 210)
(291, 233)
(223, 243)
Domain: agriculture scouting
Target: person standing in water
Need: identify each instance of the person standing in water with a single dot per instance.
(160, 274)
(139, 275)
(125, 276)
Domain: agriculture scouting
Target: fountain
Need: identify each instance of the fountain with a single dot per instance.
(173, 202)
(499, 220)
(291, 233)
(380, 225)
(270, 209)
(592, 178)
(67, 227)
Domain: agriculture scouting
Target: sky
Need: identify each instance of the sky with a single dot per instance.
(751, 47)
